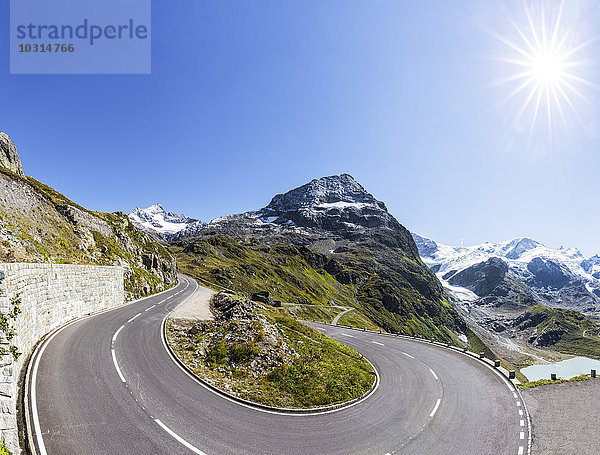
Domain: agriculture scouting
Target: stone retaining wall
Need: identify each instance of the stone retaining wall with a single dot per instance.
(51, 295)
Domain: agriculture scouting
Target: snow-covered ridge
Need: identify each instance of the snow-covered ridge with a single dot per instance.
(155, 220)
(521, 255)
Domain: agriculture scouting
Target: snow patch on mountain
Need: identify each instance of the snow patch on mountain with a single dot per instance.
(167, 226)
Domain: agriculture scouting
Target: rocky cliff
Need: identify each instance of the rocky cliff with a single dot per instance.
(38, 224)
(9, 159)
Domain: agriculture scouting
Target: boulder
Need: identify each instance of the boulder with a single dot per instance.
(262, 296)
(9, 158)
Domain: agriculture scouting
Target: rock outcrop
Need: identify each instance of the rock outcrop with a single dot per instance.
(38, 224)
(9, 158)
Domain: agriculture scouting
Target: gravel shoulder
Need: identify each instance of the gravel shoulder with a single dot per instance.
(564, 417)
(196, 308)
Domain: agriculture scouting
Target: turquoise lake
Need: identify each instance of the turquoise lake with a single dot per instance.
(565, 369)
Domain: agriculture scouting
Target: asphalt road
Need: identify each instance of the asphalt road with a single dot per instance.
(107, 385)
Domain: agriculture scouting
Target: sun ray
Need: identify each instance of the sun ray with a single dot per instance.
(556, 24)
(559, 106)
(545, 59)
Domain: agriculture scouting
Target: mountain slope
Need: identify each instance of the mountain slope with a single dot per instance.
(38, 224)
(163, 226)
(326, 240)
(522, 295)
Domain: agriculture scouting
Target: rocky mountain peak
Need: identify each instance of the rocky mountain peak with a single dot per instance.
(9, 157)
(334, 203)
(335, 190)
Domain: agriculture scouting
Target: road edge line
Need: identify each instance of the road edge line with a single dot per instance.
(27, 411)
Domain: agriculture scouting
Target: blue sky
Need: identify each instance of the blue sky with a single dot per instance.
(251, 98)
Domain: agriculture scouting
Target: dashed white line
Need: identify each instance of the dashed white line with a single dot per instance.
(170, 297)
(518, 403)
(521, 450)
(129, 320)
(522, 423)
(163, 300)
(149, 308)
(348, 335)
(114, 357)
(179, 438)
(522, 435)
(377, 342)
(408, 355)
(433, 373)
(520, 412)
(435, 408)
(114, 338)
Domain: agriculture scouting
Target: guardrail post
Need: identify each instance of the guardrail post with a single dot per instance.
(447, 345)
(465, 349)
(431, 341)
(511, 374)
(593, 373)
(496, 363)
(553, 376)
(481, 355)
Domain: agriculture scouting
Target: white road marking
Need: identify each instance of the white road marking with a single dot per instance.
(435, 408)
(433, 373)
(129, 320)
(149, 308)
(163, 300)
(179, 438)
(515, 395)
(34, 410)
(520, 412)
(170, 297)
(377, 342)
(348, 335)
(518, 403)
(522, 435)
(521, 450)
(522, 423)
(114, 338)
(408, 355)
(117, 365)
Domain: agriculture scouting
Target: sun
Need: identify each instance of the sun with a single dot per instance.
(547, 69)
(544, 63)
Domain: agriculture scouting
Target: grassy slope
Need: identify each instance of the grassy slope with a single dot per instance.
(357, 320)
(574, 323)
(386, 287)
(326, 371)
(49, 237)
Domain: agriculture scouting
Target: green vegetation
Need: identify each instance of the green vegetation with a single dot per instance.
(307, 369)
(357, 320)
(532, 384)
(477, 346)
(4, 450)
(565, 330)
(388, 288)
(6, 326)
